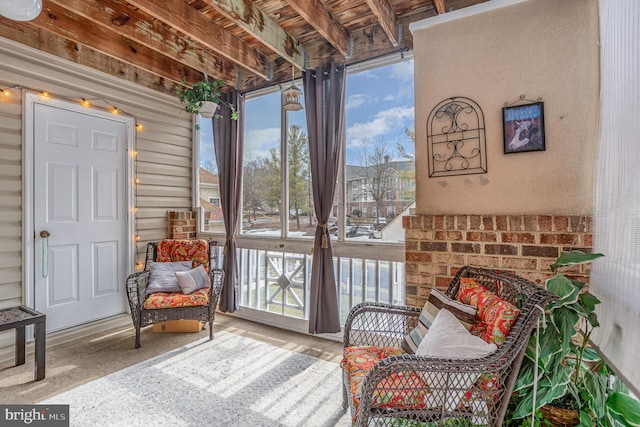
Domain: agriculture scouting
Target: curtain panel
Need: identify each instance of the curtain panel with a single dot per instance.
(228, 142)
(615, 279)
(324, 92)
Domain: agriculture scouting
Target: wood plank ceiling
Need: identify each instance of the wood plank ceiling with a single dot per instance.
(248, 44)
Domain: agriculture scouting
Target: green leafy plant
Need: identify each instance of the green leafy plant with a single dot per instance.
(207, 90)
(571, 374)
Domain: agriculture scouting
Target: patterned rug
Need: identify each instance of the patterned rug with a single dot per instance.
(230, 381)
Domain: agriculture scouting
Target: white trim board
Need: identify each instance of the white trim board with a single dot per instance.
(462, 13)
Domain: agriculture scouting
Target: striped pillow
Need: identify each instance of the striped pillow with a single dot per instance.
(437, 301)
(192, 280)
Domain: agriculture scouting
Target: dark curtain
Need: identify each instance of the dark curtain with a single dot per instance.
(324, 104)
(228, 142)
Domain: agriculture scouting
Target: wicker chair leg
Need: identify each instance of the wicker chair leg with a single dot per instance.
(137, 336)
(345, 404)
(210, 330)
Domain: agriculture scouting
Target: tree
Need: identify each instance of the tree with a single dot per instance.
(376, 180)
(252, 185)
(298, 160)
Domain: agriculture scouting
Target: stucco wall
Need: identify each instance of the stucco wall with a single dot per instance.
(539, 48)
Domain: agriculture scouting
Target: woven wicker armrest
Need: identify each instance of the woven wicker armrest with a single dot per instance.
(216, 275)
(137, 288)
(378, 324)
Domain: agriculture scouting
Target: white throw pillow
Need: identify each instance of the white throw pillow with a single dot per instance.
(162, 276)
(192, 280)
(447, 338)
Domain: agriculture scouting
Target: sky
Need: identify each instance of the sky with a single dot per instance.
(378, 107)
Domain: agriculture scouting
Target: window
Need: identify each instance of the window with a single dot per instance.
(379, 119)
(277, 199)
(208, 190)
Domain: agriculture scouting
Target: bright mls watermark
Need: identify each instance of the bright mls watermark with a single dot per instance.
(34, 415)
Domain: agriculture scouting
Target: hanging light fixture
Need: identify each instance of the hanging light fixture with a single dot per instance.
(292, 95)
(20, 10)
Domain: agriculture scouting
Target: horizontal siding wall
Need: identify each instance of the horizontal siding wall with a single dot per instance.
(164, 159)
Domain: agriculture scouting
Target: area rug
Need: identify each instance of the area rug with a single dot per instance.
(230, 381)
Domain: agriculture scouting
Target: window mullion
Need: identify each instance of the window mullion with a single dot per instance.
(284, 170)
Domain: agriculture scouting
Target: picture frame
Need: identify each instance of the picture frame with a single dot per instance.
(523, 127)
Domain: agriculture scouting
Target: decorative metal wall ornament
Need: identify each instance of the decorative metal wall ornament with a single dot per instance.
(456, 140)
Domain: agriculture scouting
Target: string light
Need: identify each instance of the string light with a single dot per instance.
(5, 92)
(85, 102)
(45, 94)
(138, 126)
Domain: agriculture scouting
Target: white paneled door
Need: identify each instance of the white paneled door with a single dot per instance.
(80, 219)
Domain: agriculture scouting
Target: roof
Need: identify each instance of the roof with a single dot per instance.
(207, 177)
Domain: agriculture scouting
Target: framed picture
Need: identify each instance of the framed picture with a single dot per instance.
(523, 128)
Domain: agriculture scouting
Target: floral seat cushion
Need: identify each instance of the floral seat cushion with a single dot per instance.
(399, 390)
(172, 250)
(175, 299)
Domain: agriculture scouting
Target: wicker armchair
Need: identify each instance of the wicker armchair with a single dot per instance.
(137, 291)
(397, 376)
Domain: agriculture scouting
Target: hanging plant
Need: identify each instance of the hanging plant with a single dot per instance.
(203, 98)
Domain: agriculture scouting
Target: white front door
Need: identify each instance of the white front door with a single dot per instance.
(80, 203)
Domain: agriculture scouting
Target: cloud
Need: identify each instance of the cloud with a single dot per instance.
(384, 122)
(257, 142)
(402, 72)
(355, 101)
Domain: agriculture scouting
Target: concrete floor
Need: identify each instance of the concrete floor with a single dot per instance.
(81, 360)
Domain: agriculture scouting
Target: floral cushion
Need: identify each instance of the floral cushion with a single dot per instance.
(173, 250)
(174, 299)
(399, 390)
(495, 315)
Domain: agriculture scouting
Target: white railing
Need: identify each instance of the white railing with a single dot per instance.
(278, 282)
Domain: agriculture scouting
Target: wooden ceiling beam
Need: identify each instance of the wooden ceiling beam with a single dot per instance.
(255, 22)
(71, 26)
(383, 10)
(319, 17)
(184, 18)
(135, 25)
(441, 6)
(37, 38)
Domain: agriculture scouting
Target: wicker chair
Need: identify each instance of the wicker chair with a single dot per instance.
(137, 293)
(485, 403)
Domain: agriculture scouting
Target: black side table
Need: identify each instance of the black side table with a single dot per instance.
(18, 318)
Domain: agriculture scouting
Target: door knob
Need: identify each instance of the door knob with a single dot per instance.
(44, 234)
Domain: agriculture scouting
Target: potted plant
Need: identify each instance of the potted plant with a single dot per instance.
(203, 98)
(572, 377)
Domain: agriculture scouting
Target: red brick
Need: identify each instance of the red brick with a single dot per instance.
(518, 237)
(432, 269)
(406, 222)
(587, 240)
(541, 251)
(492, 262)
(535, 276)
(475, 222)
(577, 224)
(515, 223)
(448, 235)
(427, 222)
(487, 223)
(443, 282)
(520, 263)
(179, 236)
(411, 245)
(416, 234)
(461, 222)
(530, 222)
(545, 223)
(559, 239)
(410, 267)
(588, 224)
(501, 222)
(500, 249)
(561, 223)
(481, 236)
(449, 222)
(412, 290)
(417, 257)
(454, 271)
(434, 246)
(449, 259)
(469, 248)
(438, 222)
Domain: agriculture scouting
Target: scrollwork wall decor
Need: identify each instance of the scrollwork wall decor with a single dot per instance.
(456, 140)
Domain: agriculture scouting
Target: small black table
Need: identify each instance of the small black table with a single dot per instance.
(18, 318)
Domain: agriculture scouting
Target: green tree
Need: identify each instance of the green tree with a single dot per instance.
(298, 163)
(377, 173)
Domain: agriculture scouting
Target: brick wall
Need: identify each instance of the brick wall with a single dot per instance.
(438, 245)
(183, 225)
